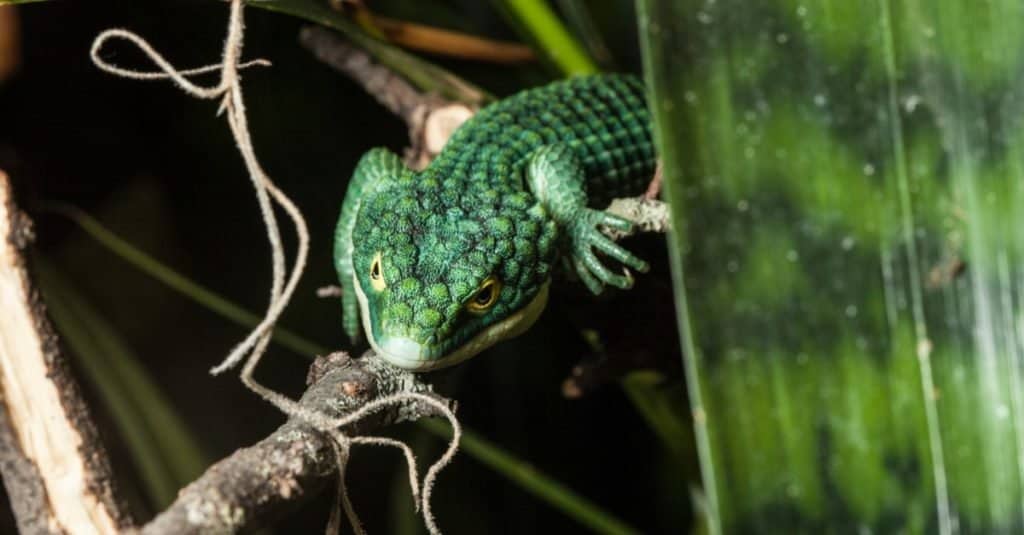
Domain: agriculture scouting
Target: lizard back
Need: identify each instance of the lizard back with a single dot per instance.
(603, 118)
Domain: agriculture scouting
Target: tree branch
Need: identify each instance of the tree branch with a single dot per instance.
(55, 468)
(256, 484)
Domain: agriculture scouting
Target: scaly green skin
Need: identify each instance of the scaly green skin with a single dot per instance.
(515, 186)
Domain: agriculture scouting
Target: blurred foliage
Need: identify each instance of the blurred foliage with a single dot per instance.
(854, 320)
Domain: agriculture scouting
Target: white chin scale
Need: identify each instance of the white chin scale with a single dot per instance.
(408, 354)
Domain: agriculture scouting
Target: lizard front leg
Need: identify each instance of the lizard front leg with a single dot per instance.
(375, 170)
(556, 178)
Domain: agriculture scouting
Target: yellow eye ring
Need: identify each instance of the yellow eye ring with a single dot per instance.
(377, 274)
(485, 297)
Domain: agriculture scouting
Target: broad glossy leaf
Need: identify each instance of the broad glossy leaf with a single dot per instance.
(846, 184)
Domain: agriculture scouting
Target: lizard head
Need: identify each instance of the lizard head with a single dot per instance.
(441, 274)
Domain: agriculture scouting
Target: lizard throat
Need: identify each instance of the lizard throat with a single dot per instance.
(393, 350)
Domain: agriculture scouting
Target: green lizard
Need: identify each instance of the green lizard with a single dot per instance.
(444, 262)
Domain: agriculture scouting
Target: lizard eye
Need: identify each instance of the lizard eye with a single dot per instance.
(376, 274)
(485, 297)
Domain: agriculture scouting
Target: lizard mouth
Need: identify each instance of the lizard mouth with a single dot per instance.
(409, 354)
(402, 352)
(399, 351)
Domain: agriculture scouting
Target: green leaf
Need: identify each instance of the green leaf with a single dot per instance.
(845, 182)
(423, 74)
(660, 41)
(660, 405)
(578, 15)
(180, 283)
(534, 481)
(538, 24)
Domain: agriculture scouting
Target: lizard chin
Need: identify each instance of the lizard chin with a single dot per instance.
(408, 354)
(402, 352)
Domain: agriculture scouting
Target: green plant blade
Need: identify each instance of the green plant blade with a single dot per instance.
(846, 184)
(538, 23)
(659, 49)
(517, 471)
(529, 478)
(159, 440)
(661, 406)
(421, 73)
(577, 14)
(180, 283)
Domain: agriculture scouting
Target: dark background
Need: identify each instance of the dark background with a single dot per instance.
(159, 169)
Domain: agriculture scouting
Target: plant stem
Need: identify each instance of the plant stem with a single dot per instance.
(539, 25)
(428, 77)
(180, 283)
(529, 478)
(577, 13)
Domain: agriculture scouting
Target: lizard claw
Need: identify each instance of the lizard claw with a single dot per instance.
(586, 238)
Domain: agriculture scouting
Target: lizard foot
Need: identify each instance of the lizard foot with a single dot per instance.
(586, 237)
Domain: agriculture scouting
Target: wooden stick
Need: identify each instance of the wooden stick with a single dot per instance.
(54, 466)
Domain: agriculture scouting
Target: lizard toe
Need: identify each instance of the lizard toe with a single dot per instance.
(589, 280)
(604, 274)
(599, 217)
(619, 253)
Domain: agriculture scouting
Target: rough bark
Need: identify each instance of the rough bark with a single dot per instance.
(24, 485)
(54, 466)
(254, 485)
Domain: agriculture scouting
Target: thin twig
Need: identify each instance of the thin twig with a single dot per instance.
(257, 483)
(440, 41)
(10, 42)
